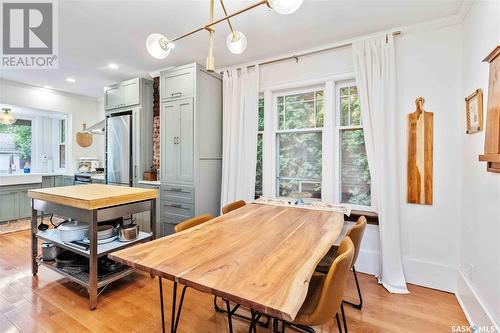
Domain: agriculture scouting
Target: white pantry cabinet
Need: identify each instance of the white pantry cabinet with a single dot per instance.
(191, 144)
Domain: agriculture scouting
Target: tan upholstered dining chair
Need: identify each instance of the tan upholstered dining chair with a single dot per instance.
(232, 206)
(355, 233)
(192, 222)
(324, 297)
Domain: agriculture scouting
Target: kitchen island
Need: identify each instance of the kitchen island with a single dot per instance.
(92, 204)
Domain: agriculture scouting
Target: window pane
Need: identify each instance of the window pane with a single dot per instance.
(319, 113)
(281, 116)
(261, 114)
(258, 173)
(355, 111)
(287, 187)
(300, 111)
(62, 131)
(299, 98)
(299, 156)
(344, 111)
(344, 91)
(300, 115)
(15, 146)
(62, 156)
(355, 175)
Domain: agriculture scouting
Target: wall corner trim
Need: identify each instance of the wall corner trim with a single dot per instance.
(473, 307)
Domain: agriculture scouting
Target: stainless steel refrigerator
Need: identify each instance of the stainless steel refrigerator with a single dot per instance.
(119, 148)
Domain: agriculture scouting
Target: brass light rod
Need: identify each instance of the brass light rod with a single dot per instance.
(226, 18)
(225, 13)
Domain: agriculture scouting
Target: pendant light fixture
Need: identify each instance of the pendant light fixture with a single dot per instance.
(160, 46)
(6, 117)
(236, 42)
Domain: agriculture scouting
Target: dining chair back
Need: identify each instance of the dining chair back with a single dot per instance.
(355, 233)
(192, 222)
(324, 298)
(232, 206)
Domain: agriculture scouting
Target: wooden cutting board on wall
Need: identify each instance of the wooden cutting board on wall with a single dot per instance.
(420, 151)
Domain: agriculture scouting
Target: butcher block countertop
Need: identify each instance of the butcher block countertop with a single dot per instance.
(93, 196)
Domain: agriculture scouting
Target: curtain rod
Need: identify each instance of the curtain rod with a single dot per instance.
(297, 56)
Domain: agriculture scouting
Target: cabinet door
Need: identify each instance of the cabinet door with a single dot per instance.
(24, 204)
(178, 84)
(8, 205)
(130, 92)
(68, 181)
(48, 181)
(169, 147)
(186, 141)
(113, 97)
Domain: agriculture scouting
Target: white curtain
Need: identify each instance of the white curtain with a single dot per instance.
(374, 67)
(239, 138)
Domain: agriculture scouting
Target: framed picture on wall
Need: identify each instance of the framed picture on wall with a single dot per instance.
(474, 111)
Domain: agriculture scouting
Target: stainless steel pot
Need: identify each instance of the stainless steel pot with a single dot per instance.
(49, 251)
(128, 232)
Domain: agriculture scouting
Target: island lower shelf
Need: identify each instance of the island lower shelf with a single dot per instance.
(83, 277)
(52, 236)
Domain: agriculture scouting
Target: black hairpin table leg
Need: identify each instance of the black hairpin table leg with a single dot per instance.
(176, 312)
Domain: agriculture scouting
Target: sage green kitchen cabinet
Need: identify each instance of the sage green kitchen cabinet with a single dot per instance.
(14, 201)
(58, 181)
(191, 144)
(122, 94)
(8, 208)
(178, 141)
(48, 181)
(24, 203)
(68, 180)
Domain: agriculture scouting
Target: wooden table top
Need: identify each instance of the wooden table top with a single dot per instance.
(259, 256)
(93, 196)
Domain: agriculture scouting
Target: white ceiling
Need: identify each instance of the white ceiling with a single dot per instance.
(95, 33)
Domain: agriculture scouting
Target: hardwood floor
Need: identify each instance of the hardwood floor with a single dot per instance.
(50, 303)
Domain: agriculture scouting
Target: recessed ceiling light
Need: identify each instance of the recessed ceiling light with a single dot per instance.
(47, 87)
(70, 79)
(113, 66)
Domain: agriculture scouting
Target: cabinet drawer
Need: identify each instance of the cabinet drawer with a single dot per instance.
(177, 193)
(176, 210)
(178, 84)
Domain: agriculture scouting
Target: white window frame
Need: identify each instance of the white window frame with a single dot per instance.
(57, 142)
(338, 130)
(278, 131)
(330, 187)
(259, 132)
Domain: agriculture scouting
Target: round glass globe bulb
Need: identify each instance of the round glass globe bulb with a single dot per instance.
(285, 7)
(154, 46)
(236, 42)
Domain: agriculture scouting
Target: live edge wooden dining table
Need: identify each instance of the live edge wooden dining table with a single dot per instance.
(259, 256)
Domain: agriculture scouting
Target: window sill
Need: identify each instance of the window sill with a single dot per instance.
(371, 217)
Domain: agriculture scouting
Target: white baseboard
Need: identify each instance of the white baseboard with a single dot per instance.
(475, 311)
(430, 275)
(422, 273)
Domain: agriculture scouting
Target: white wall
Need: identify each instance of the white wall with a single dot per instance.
(82, 109)
(479, 256)
(428, 65)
